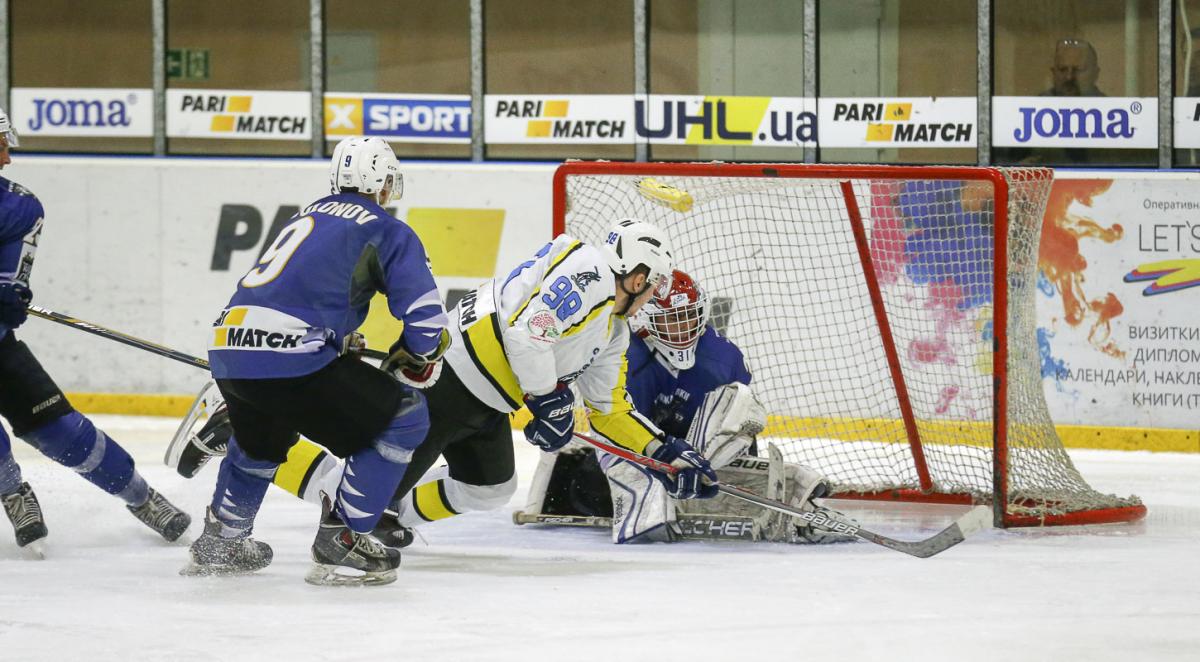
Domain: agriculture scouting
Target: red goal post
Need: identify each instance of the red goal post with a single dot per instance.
(863, 297)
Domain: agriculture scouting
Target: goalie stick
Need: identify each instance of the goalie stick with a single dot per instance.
(146, 345)
(827, 519)
(691, 526)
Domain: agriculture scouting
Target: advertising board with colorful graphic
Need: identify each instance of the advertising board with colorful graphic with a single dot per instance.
(1119, 303)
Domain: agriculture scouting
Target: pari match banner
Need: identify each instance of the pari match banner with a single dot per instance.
(91, 112)
(659, 119)
(1118, 330)
(897, 122)
(1103, 122)
(244, 114)
(425, 118)
(605, 119)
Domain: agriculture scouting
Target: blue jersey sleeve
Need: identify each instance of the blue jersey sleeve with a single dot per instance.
(20, 216)
(411, 293)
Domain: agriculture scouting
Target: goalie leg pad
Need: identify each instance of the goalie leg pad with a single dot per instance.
(726, 422)
(641, 509)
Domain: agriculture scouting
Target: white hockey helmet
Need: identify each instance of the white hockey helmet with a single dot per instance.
(7, 130)
(365, 165)
(673, 324)
(632, 243)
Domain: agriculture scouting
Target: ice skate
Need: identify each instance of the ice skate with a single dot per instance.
(162, 516)
(25, 514)
(189, 451)
(212, 554)
(391, 532)
(346, 558)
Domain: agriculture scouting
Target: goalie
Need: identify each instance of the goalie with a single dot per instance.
(694, 384)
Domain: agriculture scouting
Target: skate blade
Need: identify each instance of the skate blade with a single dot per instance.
(193, 569)
(323, 574)
(34, 551)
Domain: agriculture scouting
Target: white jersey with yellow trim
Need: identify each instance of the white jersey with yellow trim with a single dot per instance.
(551, 320)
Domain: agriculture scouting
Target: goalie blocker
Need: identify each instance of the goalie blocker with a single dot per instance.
(582, 483)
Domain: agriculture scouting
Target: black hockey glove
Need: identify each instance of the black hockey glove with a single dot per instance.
(14, 301)
(553, 418)
(696, 478)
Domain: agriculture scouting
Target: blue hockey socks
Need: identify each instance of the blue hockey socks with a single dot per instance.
(372, 475)
(242, 483)
(10, 473)
(75, 443)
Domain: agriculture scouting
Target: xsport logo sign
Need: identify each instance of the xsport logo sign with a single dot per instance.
(399, 117)
(897, 122)
(1120, 122)
(62, 111)
(238, 114)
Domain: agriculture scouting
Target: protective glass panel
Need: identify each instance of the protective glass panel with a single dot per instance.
(96, 59)
(549, 47)
(229, 51)
(885, 61)
(416, 57)
(1094, 65)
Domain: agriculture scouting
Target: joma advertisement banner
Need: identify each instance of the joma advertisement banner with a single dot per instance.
(425, 118)
(70, 111)
(897, 122)
(1110, 122)
(244, 114)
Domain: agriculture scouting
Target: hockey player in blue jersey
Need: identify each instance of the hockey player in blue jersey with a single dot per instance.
(278, 355)
(693, 383)
(33, 404)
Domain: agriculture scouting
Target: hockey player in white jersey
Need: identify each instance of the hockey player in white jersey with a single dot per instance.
(557, 320)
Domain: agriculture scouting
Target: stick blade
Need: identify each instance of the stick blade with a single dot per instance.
(975, 520)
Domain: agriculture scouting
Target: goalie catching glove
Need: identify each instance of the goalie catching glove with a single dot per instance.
(553, 418)
(695, 479)
(416, 370)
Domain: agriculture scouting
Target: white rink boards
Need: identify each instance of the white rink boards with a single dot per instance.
(481, 588)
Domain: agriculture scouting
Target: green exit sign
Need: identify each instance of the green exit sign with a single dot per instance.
(187, 64)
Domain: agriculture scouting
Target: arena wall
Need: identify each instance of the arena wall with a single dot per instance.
(154, 248)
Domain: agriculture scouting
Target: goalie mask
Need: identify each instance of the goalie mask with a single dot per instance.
(673, 324)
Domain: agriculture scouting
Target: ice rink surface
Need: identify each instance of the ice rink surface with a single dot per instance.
(480, 588)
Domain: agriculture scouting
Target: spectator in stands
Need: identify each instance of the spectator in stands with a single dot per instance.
(1075, 70)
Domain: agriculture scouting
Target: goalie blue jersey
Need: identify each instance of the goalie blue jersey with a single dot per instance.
(313, 286)
(670, 396)
(20, 224)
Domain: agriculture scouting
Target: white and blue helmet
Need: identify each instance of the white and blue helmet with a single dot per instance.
(365, 165)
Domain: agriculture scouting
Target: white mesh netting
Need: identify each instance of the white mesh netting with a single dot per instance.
(778, 257)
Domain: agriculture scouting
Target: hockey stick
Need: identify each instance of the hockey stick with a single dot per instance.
(692, 526)
(827, 519)
(146, 345)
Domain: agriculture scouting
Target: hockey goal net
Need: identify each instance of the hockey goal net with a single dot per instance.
(893, 351)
